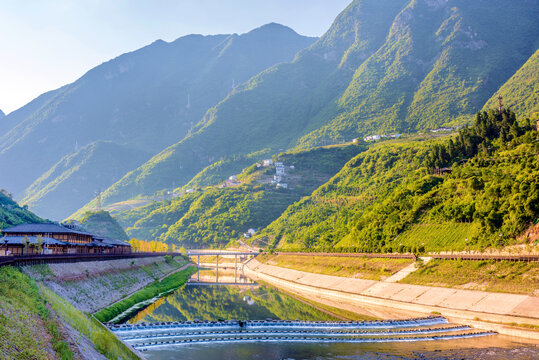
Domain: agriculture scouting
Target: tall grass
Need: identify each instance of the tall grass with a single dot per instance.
(488, 275)
(157, 288)
(22, 334)
(104, 341)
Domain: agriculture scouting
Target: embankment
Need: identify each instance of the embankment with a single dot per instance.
(91, 286)
(490, 311)
(125, 307)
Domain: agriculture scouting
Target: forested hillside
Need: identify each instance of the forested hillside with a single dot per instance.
(217, 215)
(102, 224)
(12, 214)
(384, 66)
(521, 91)
(147, 99)
(394, 198)
(75, 179)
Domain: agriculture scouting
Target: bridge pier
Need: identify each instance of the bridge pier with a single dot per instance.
(235, 268)
(198, 269)
(217, 270)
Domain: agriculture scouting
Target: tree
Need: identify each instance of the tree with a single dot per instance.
(39, 244)
(25, 242)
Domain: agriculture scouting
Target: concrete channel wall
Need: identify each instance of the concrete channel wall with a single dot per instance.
(485, 310)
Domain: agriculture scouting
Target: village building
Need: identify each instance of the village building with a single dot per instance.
(249, 233)
(51, 238)
(267, 162)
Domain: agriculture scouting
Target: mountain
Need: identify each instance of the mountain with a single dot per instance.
(147, 99)
(383, 66)
(274, 108)
(12, 214)
(102, 224)
(390, 198)
(2, 115)
(521, 91)
(73, 181)
(217, 215)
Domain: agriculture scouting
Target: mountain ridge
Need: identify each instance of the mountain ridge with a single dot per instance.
(148, 98)
(380, 68)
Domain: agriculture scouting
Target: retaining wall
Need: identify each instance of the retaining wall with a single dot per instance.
(464, 306)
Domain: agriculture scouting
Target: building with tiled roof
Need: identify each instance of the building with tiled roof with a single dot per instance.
(51, 238)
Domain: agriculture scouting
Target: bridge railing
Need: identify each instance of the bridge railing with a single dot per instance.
(33, 259)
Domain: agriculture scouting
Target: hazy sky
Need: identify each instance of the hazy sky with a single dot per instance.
(45, 44)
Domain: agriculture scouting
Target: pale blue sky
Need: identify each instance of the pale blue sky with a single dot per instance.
(45, 44)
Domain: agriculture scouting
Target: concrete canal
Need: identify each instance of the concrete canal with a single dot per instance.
(249, 322)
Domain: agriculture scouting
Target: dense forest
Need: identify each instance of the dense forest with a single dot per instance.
(392, 198)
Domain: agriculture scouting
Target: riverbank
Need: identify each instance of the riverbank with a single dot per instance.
(37, 324)
(489, 311)
(93, 285)
(151, 293)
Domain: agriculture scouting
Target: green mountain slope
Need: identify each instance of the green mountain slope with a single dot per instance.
(216, 215)
(388, 199)
(12, 214)
(73, 181)
(102, 224)
(441, 62)
(274, 108)
(521, 91)
(148, 99)
(383, 66)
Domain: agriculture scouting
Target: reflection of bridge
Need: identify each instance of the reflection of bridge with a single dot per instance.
(146, 336)
(243, 255)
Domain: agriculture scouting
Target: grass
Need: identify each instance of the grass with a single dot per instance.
(354, 267)
(495, 276)
(27, 327)
(438, 236)
(157, 288)
(104, 341)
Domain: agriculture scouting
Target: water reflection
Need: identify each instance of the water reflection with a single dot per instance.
(226, 303)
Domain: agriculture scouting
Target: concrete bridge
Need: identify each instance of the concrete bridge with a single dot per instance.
(243, 255)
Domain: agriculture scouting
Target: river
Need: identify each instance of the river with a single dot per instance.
(214, 303)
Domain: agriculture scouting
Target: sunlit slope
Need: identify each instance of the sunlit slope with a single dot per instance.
(383, 67)
(389, 198)
(273, 109)
(75, 179)
(148, 99)
(215, 216)
(521, 91)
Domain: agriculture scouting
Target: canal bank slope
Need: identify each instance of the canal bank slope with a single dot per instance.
(485, 310)
(93, 285)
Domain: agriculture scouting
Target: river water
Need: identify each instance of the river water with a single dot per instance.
(263, 302)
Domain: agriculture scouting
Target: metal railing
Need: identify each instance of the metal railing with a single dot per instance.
(34, 259)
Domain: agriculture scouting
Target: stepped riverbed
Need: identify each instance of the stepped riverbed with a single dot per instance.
(262, 322)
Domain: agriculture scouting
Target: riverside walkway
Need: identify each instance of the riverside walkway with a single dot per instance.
(146, 336)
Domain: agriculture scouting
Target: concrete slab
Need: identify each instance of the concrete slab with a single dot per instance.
(435, 296)
(463, 299)
(409, 293)
(503, 303)
(528, 308)
(383, 290)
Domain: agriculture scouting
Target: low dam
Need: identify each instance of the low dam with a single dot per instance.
(147, 336)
